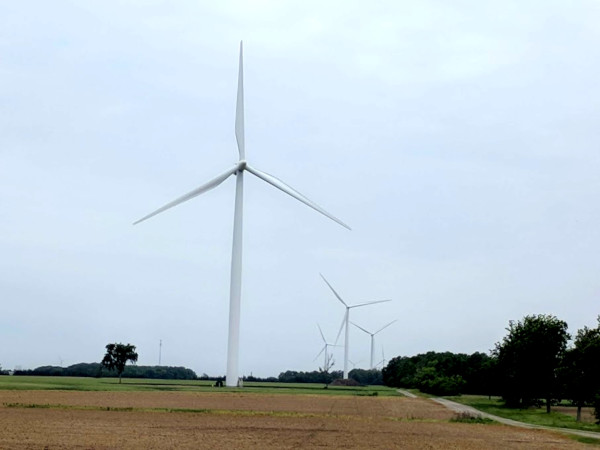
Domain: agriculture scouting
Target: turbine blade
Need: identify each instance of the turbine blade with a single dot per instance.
(370, 303)
(239, 107)
(382, 358)
(341, 326)
(384, 327)
(358, 326)
(333, 290)
(200, 190)
(320, 353)
(322, 335)
(279, 184)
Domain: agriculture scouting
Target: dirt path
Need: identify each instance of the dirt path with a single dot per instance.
(406, 393)
(460, 408)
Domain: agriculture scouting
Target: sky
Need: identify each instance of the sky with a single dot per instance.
(459, 140)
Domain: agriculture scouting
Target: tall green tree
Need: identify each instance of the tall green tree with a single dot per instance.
(528, 360)
(117, 356)
(366, 376)
(581, 368)
(442, 373)
(400, 371)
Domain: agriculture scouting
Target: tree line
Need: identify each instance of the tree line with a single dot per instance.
(362, 377)
(97, 370)
(533, 365)
(443, 373)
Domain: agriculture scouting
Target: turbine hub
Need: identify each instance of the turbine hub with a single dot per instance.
(241, 165)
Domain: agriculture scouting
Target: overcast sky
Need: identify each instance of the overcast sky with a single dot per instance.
(460, 141)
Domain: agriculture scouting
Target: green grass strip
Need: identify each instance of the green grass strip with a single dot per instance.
(585, 440)
(145, 385)
(535, 416)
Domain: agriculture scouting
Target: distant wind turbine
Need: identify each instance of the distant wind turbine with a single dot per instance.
(382, 362)
(345, 322)
(354, 364)
(373, 338)
(236, 254)
(327, 364)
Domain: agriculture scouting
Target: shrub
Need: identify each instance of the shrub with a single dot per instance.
(467, 417)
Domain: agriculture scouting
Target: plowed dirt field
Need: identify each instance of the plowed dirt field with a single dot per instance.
(114, 420)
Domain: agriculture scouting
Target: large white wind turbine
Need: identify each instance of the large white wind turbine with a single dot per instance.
(345, 322)
(236, 254)
(327, 364)
(373, 338)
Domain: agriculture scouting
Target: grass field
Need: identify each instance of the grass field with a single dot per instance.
(537, 416)
(138, 384)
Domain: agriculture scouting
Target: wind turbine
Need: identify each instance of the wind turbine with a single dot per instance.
(345, 322)
(236, 254)
(354, 364)
(382, 362)
(373, 338)
(326, 365)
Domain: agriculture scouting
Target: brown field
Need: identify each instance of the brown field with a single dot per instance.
(110, 420)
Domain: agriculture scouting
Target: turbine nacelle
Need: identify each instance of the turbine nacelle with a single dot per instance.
(241, 166)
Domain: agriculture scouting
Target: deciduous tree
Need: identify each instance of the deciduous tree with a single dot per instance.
(528, 359)
(581, 368)
(117, 356)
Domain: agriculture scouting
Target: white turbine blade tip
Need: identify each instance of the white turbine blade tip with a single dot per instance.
(341, 327)
(322, 335)
(333, 290)
(239, 107)
(385, 326)
(279, 184)
(320, 353)
(199, 190)
(371, 303)
(360, 328)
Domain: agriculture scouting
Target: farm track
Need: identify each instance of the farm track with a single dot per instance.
(75, 419)
(460, 408)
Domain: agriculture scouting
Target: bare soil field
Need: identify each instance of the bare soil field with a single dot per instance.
(111, 420)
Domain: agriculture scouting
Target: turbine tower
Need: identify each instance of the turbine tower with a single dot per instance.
(373, 338)
(345, 322)
(236, 254)
(159, 351)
